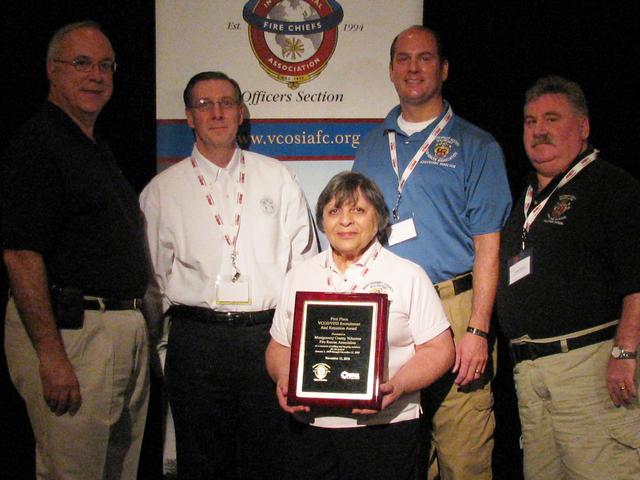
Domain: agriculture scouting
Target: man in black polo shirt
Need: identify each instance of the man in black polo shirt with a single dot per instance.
(73, 237)
(569, 297)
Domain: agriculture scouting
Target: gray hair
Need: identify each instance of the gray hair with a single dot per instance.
(556, 85)
(345, 187)
(54, 44)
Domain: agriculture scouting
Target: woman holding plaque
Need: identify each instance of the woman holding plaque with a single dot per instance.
(355, 443)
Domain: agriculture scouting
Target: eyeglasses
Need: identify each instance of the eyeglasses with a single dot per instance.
(205, 105)
(83, 64)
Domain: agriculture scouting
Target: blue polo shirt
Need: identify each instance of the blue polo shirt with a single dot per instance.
(458, 190)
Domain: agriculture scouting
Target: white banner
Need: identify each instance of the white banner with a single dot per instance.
(314, 74)
(310, 96)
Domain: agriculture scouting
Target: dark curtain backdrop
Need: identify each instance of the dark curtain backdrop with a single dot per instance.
(497, 50)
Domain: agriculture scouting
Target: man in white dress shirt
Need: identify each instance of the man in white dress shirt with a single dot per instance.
(224, 226)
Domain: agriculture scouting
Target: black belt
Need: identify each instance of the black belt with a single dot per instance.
(112, 304)
(531, 351)
(206, 315)
(460, 284)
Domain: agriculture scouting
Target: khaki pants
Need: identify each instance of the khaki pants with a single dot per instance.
(463, 423)
(570, 427)
(110, 358)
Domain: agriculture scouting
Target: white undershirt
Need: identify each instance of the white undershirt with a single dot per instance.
(413, 127)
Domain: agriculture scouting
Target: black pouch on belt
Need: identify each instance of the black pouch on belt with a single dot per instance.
(68, 307)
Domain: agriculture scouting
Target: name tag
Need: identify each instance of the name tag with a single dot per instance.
(229, 292)
(519, 266)
(401, 231)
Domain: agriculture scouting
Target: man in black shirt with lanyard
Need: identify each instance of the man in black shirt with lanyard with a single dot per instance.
(73, 244)
(569, 297)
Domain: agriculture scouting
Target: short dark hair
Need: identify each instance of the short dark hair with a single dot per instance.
(203, 76)
(440, 46)
(554, 84)
(345, 187)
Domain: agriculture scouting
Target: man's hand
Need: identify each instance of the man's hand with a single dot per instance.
(29, 284)
(472, 353)
(621, 384)
(59, 384)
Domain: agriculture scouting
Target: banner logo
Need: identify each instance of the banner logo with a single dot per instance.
(293, 40)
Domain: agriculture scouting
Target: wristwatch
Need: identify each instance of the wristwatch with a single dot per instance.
(620, 353)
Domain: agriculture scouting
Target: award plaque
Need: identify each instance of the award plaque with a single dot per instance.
(338, 349)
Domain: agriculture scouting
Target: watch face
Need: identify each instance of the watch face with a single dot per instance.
(616, 351)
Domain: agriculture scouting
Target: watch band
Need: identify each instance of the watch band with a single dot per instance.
(478, 332)
(620, 353)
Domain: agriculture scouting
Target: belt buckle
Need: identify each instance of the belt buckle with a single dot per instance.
(232, 318)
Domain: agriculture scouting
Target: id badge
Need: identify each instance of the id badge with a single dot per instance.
(401, 231)
(229, 292)
(520, 266)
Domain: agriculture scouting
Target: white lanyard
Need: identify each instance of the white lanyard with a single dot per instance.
(416, 158)
(230, 240)
(530, 218)
(363, 273)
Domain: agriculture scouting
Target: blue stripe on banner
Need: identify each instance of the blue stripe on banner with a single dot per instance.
(283, 139)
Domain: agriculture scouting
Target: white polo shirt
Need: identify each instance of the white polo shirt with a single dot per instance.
(415, 317)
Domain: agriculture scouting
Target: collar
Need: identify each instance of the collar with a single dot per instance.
(533, 180)
(391, 121)
(212, 170)
(54, 111)
(326, 261)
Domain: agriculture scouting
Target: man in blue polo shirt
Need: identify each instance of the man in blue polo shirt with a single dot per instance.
(445, 183)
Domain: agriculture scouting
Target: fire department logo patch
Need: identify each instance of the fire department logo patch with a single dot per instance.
(557, 215)
(443, 150)
(293, 40)
(377, 287)
(267, 205)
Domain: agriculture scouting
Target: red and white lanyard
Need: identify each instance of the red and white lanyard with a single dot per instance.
(363, 272)
(416, 158)
(231, 240)
(530, 218)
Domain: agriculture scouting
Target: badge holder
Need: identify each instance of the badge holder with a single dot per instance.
(520, 266)
(233, 290)
(401, 231)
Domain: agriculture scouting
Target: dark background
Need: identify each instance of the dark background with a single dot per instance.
(496, 49)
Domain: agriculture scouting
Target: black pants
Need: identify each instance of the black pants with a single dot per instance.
(384, 452)
(227, 419)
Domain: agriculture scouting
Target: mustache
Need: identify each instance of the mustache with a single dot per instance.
(542, 139)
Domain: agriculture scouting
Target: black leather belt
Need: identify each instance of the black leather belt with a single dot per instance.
(460, 284)
(112, 304)
(206, 315)
(531, 351)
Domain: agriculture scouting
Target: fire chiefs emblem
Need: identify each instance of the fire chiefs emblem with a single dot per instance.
(441, 150)
(293, 40)
(444, 150)
(559, 210)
